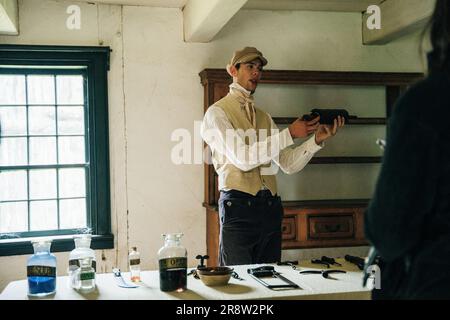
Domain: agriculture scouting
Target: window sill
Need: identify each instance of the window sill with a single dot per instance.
(12, 247)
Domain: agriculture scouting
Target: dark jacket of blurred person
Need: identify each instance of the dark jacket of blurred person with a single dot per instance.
(408, 219)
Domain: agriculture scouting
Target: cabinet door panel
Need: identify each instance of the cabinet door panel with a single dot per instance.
(289, 228)
(331, 226)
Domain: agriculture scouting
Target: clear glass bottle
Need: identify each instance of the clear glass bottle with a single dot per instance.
(82, 250)
(86, 275)
(134, 260)
(41, 270)
(172, 263)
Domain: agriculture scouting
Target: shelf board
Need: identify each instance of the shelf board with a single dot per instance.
(358, 121)
(335, 160)
(320, 77)
(311, 204)
(340, 160)
(336, 203)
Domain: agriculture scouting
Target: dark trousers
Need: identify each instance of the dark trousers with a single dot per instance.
(250, 228)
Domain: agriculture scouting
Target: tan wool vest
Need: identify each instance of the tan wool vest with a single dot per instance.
(231, 177)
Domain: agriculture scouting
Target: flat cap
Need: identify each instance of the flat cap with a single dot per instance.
(246, 55)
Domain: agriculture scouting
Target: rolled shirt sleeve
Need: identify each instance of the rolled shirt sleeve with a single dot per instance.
(292, 160)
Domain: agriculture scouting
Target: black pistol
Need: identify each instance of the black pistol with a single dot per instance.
(327, 116)
(355, 260)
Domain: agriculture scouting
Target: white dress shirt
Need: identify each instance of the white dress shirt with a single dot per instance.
(290, 160)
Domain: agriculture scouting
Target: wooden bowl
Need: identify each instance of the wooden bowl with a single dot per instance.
(215, 276)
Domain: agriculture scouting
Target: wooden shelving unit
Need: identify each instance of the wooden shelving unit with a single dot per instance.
(317, 223)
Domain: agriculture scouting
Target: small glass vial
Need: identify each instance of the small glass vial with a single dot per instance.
(135, 265)
(41, 270)
(87, 275)
(172, 264)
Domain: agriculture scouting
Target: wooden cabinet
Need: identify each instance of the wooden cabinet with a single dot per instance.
(306, 224)
(326, 223)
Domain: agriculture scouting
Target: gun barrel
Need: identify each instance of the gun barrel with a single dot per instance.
(355, 260)
(327, 116)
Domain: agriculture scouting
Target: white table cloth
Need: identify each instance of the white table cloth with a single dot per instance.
(314, 286)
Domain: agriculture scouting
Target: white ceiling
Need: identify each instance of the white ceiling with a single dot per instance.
(315, 5)
(149, 3)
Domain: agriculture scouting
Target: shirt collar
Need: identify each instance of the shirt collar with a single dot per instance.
(240, 88)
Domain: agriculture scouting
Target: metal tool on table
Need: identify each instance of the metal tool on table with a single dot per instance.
(330, 261)
(201, 265)
(202, 260)
(324, 273)
(319, 261)
(292, 263)
(193, 272)
(269, 272)
(359, 262)
(120, 281)
(236, 276)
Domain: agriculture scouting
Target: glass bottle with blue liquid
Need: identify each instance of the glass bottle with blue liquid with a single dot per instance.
(41, 270)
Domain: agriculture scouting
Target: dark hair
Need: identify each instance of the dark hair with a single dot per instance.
(238, 65)
(440, 35)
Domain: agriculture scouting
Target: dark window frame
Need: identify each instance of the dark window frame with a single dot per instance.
(95, 62)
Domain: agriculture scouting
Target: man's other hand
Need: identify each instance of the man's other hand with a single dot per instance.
(325, 131)
(301, 129)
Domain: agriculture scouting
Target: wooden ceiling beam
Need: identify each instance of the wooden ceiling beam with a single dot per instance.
(9, 19)
(204, 19)
(398, 17)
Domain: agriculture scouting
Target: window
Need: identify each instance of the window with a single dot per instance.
(54, 168)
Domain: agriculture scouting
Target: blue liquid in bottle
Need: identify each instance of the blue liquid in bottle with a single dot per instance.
(41, 270)
(41, 285)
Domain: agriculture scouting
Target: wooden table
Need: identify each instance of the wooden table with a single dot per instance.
(313, 286)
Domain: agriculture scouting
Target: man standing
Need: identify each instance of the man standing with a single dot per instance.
(245, 142)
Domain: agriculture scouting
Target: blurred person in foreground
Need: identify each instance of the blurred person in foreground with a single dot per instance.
(408, 219)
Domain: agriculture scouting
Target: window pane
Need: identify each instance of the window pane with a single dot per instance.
(13, 217)
(13, 185)
(43, 184)
(72, 213)
(42, 121)
(71, 150)
(13, 121)
(12, 89)
(72, 183)
(43, 215)
(43, 150)
(70, 89)
(13, 151)
(41, 89)
(71, 120)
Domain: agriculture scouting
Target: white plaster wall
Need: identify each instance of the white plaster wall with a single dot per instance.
(44, 22)
(154, 88)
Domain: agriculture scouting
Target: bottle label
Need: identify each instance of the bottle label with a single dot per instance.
(87, 276)
(134, 262)
(75, 263)
(41, 271)
(173, 263)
